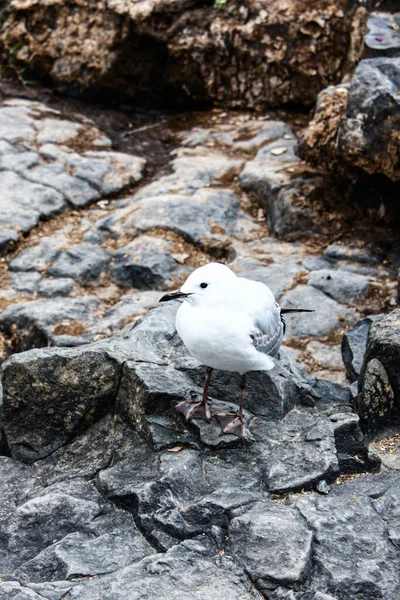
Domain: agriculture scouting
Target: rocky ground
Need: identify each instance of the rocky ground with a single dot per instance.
(106, 491)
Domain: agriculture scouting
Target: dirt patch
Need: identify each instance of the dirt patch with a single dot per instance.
(387, 445)
(69, 328)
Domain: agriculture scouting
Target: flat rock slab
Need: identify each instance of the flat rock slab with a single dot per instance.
(43, 174)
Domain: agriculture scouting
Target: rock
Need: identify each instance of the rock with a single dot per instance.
(327, 316)
(339, 285)
(34, 429)
(354, 126)
(329, 357)
(207, 218)
(350, 536)
(145, 263)
(376, 403)
(336, 252)
(178, 573)
(382, 38)
(384, 345)
(129, 308)
(187, 39)
(83, 263)
(50, 288)
(30, 201)
(290, 193)
(26, 283)
(37, 257)
(43, 174)
(266, 524)
(277, 276)
(354, 343)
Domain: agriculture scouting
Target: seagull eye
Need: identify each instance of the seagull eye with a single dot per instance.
(204, 285)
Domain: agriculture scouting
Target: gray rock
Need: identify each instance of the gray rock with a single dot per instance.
(207, 218)
(340, 285)
(50, 288)
(353, 554)
(36, 257)
(381, 36)
(277, 276)
(180, 572)
(30, 201)
(376, 403)
(354, 344)
(145, 263)
(327, 356)
(267, 525)
(83, 262)
(8, 237)
(26, 283)
(59, 321)
(384, 345)
(326, 318)
(129, 308)
(335, 252)
(85, 391)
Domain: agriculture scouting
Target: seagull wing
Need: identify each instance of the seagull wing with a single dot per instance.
(268, 325)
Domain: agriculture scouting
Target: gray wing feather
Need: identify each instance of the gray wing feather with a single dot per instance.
(268, 342)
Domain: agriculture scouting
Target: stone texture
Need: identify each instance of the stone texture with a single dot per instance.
(252, 65)
(355, 126)
(341, 286)
(327, 316)
(145, 263)
(83, 263)
(266, 524)
(376, 402)
(354, 344)
(353, 554)
(384, 345)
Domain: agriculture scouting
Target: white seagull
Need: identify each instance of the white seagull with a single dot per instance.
(230, 323)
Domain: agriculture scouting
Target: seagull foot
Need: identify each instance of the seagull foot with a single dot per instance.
(195, 409)
(232, 423)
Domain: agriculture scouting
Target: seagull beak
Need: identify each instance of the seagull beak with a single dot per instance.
(173, 296)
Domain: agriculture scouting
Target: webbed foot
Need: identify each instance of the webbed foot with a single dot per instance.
(195, 409)
(232, 423)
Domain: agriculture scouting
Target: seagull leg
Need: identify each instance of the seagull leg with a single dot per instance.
(198, 409)
(233, 423)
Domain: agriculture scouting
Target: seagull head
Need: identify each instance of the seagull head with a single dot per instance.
(205, 285)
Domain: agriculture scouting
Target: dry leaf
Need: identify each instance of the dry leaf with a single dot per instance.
(175, 449)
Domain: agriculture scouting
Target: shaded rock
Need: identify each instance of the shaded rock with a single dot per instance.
(335, 252)
(327, 316)
(107, 544)
(354, 344)
(384, 345)
(83, 262)
(291, 193)
(353, 553)
(355, 126)
(145, 263)
(266, 524)
(84, 391)
(340, 285)
(8, 237)
(376, 403)
(187, 40)
(35, 258)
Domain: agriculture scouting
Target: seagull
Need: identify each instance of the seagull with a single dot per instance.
(230, 323)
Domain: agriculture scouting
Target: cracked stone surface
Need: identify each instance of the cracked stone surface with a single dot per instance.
(107, 492)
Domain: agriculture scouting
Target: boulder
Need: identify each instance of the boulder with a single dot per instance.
(354, 344)
(355, 127)
(256, 55)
